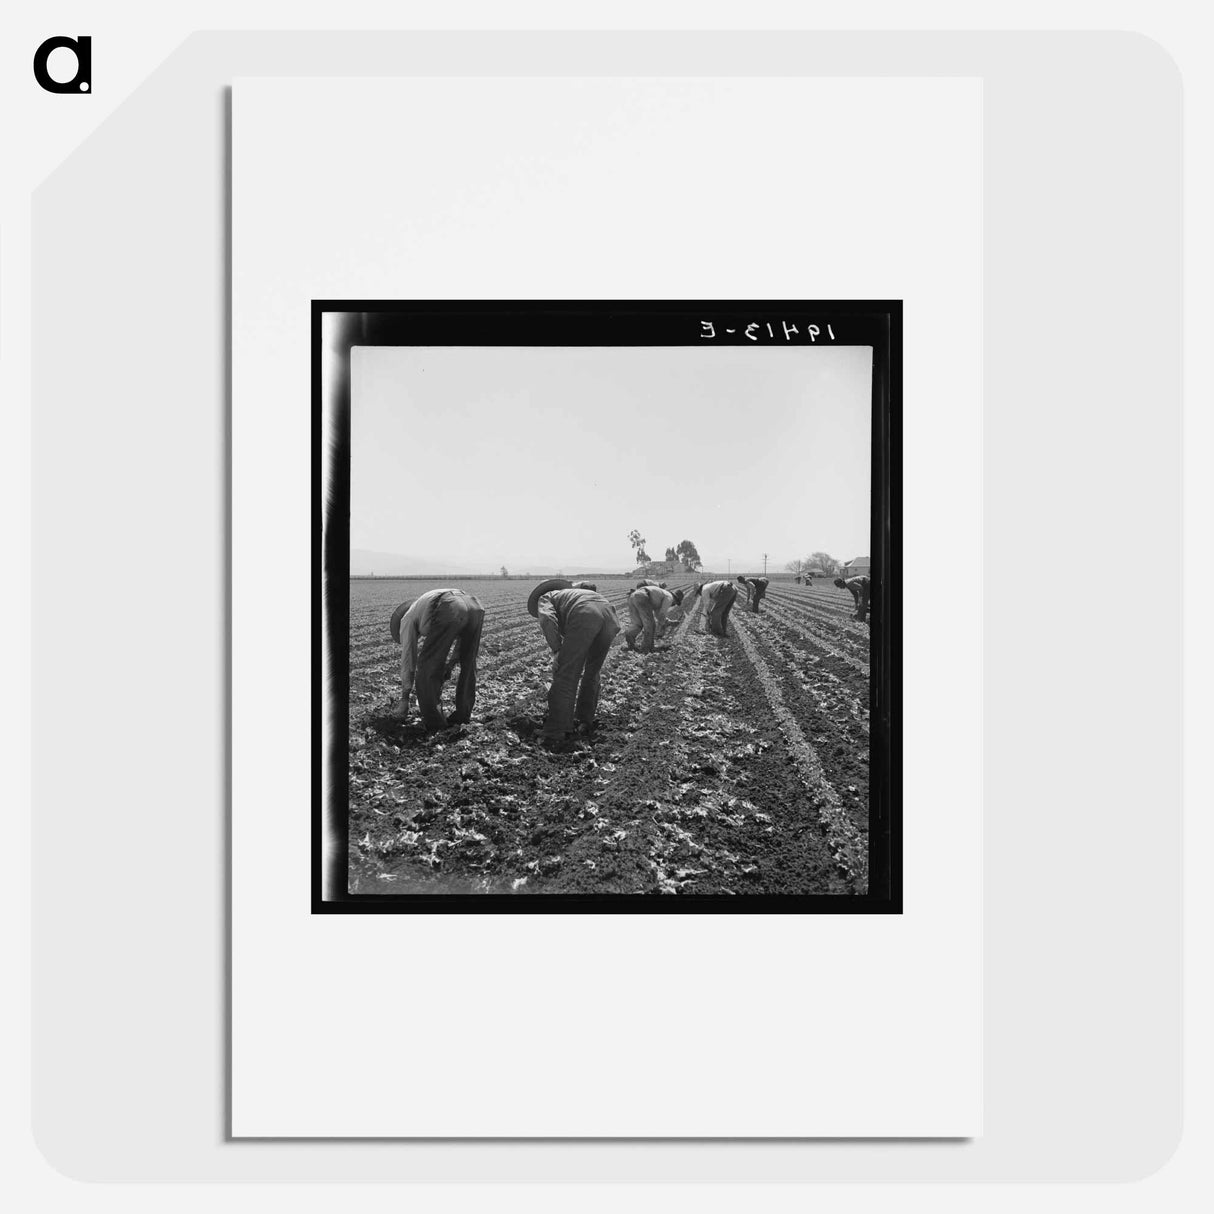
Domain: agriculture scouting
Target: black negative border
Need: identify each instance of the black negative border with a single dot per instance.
(606, 323)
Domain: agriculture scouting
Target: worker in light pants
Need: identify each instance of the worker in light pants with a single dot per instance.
(718, 598)
(860, 589)
(579, 626)
(651, 609)
(756, 588)
(438, 619)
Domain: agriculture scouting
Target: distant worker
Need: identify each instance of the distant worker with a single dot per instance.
(860, 589)
(645, 582)
(651, 609)
(756, 588)
(718, 597)
(579, 625)
(441, 617)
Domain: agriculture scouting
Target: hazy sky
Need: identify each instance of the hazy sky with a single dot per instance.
(550, 456)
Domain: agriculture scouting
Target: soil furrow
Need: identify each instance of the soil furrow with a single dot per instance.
(807, 634)
(848, 846)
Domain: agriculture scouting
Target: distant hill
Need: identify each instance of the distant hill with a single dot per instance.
(364, 561)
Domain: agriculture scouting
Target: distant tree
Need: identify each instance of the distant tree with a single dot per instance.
(637, 540)
(671, 555)
(505, 571)
(825, 562)
(796, 567)
(688, 554)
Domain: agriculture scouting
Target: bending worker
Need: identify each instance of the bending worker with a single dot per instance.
(719, 597)
(579, 626)
(756, 588)
(441, 617)
(651, 609)
(861, 591)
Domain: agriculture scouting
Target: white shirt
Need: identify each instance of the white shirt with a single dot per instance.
(711, 591)
(411, 625)
(662, 602)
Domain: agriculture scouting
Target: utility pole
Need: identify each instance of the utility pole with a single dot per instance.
(765, 564)
(728, 565)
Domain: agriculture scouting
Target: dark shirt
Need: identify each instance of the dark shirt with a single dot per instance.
(554, 608)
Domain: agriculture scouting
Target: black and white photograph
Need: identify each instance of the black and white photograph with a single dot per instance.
(547, 518)
(609, 606)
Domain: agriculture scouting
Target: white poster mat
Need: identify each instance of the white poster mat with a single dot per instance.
(474, 1025)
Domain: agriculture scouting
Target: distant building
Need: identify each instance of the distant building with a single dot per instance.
(857, 567)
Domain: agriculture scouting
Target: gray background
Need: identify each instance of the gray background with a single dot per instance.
(1082, 682)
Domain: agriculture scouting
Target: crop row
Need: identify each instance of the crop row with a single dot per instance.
(848, 844)
(811, 636)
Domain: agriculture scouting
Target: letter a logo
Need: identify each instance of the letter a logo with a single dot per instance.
(82, 81)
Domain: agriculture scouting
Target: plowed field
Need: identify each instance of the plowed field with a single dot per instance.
(734, 765)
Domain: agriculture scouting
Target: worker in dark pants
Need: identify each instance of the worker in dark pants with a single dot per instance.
(441, 617)
(718, 597)
(579, 626)
(756, 588)
(860, 589)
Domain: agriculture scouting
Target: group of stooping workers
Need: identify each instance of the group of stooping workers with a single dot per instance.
(579, 625)
(859, 587)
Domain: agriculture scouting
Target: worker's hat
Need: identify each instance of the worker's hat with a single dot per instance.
(553, 583)
(394, 622)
